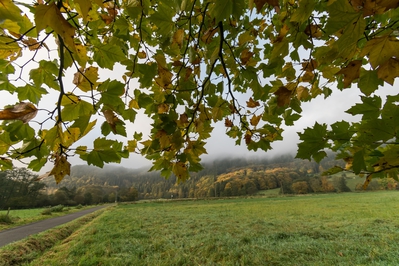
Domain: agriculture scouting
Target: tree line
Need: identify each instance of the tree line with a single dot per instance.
(20, 188)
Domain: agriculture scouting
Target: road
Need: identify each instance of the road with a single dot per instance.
(21, 232)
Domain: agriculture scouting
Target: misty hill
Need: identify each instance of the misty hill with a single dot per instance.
(225, 177)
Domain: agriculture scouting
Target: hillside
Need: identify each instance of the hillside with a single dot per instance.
(220, 178)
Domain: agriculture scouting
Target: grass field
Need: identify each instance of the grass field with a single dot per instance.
(331, 229)
(21, 217)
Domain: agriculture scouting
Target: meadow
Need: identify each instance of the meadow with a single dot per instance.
(329, 229)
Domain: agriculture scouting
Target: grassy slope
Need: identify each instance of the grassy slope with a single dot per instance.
(330, 229)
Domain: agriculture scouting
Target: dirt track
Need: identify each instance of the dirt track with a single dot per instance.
(21, 232)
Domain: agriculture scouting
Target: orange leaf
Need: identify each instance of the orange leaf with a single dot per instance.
(350, 72)
(283, 96)
(228, 123)
(252, 104)
(313, 31)
(21, 111)
(246, 55)
(255, 120)
(309, 65)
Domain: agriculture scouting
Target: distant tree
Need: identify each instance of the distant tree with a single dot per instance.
(326, 185)
(388, 183)
(340, 185)
(300, 187)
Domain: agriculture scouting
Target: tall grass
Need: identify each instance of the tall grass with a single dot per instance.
(333, 229)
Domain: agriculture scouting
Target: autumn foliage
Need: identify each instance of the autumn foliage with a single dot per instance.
(186, 65)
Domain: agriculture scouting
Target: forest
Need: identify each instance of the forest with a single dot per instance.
(19, 188)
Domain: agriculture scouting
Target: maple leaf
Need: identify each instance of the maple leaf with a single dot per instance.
(111, 119)
(283, 96)
(61, 168)
(313, 31)
(389, 70)
(381, 49)
(178, 37)
(50, 16)
(246, 55)
(260, 3)
(180, 170)
(22, 111)
(255, 120)
(228, 123)
(309, 65)
(252, 104)
(350, 72)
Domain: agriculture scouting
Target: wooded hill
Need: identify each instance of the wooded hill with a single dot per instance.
(220, 178)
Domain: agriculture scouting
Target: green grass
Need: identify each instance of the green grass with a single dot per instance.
(21, 217)
(330, 229)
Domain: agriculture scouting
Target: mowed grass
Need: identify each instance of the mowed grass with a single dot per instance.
(331, 229)
(21, 217)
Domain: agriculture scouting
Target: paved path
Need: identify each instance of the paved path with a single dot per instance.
(21, 232)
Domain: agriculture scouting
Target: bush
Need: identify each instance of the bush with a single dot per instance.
(58, 208)
(4, 218)
(46, 211)
(79, 206)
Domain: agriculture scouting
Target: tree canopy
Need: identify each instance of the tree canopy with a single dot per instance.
(187, 64)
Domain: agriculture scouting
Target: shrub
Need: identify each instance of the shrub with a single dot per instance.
(4, 218)
(79, 206)
(46, 211)
(58, 208)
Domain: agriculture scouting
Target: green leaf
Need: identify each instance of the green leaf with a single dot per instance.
(107, 55)
(31, 93)
(76, 109)
(369, 81)
(46, 73)
(302, 14)
(370, 108)
(313, 140)
(358, 162)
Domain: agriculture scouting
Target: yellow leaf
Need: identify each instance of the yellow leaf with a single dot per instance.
(21, 111)
(180, 170)
(164, 78)
(207, 36)
(163, 108)
(252, 104)
(69, 99)
(134, 104)
(389, 70)
(71, 136)
(8, 48)
(81, 54)
(87, 81)
(111, 119)
(50, 16)
(313, 31)
(61, 168)
(283, 96)
(131, 145)
(255, 120)
(85, 7)
(350, 72)
(381, 49)
(302, 93)
(164, 139)
(178, 37)
(141, 55)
